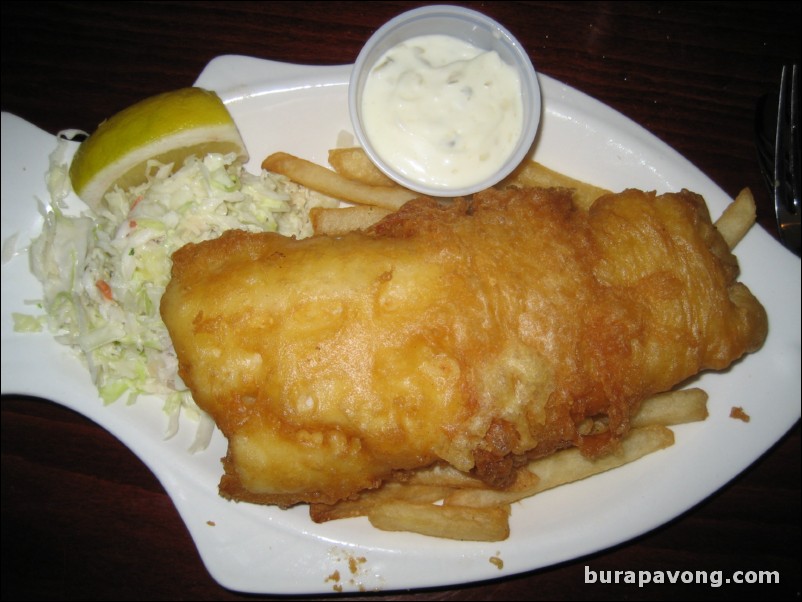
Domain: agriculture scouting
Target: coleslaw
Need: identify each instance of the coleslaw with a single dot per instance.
(103, 272)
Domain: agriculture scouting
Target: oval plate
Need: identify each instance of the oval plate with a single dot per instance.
(303, 110)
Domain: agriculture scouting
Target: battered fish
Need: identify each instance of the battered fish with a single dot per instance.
(479, 333)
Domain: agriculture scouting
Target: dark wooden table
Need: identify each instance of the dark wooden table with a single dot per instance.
(82, 516)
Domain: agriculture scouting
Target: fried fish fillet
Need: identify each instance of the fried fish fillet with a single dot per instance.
(478, 333)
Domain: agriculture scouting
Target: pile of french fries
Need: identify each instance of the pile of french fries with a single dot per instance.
(441, 501)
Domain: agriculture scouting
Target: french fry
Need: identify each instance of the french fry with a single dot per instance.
(531, 174)
(449, 522)
(353, 163)
(367, 500)
(570, 465)
(737, 218)
(567, 466)
(672, 407)
(525, 485)
(345, 219)
(328, 182)
(442, 475)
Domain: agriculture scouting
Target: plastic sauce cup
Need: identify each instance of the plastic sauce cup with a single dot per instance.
(476, 29)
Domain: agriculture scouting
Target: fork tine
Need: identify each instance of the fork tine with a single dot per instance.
(780, 143)
(794, 150)
(786, 161)
(765, 136)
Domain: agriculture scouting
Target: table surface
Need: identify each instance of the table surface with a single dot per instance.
(74, 499)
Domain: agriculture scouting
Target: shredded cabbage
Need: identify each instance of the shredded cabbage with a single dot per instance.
(103, 273)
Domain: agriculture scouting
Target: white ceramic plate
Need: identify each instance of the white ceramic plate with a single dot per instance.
(302, 110)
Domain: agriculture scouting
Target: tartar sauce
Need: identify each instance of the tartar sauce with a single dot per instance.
(442, 112)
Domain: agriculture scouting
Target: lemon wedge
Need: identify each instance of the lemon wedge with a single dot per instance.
(168, 127)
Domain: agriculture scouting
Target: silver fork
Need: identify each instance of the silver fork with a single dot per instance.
(787, 161)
